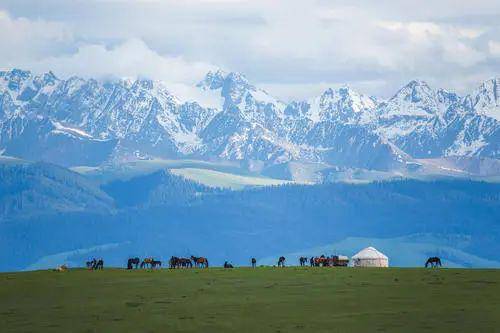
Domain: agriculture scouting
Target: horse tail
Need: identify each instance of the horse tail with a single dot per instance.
(206, 263)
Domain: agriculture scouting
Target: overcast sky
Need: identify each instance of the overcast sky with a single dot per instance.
(290, 48)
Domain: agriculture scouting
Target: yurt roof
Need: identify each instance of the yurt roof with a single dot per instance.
(369, 253)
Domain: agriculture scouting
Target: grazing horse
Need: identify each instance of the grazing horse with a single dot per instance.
(133, 262)
(254, 262)
(200, 261)
(90, 264)
(99, 264)
(176, 262)
(228, 265)
(173, 262)
(155, 264)
(303, 261)
(281, 261)
(147, 263)
(433, 261)
(185, 262)
(322, 261)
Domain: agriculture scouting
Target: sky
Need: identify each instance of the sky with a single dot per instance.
(294, 49)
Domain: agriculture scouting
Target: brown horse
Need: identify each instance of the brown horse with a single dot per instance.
(200, 261)
(185, 263)
(433, 261)
(321, 261)
(147, 263)
(281, 261)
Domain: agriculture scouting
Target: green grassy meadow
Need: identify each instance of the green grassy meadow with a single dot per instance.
(251, 300)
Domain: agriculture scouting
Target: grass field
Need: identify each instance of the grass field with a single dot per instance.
(251, 300)
(226, 180)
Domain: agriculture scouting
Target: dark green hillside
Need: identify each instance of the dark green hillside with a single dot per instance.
(263, 222)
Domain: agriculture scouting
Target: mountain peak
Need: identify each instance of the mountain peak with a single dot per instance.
(48, 78)
(415, 91)
(417, 83)
(15, 78)
(486, 99)
(213, 80)
(490, 87)
(17, 73)
(237, 77)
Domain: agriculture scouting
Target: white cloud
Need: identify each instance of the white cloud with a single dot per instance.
(23, 39)
(494, 47)
(132, 58)
(293, 44)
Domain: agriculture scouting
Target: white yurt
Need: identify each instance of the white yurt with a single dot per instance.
(370, 257)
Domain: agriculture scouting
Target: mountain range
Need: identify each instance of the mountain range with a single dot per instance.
(76, 121)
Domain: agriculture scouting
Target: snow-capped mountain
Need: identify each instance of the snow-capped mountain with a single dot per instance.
(429, 123)
(87, 122)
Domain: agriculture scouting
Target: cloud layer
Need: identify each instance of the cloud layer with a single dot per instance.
(293, 48)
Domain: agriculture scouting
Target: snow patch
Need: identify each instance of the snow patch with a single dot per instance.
(75, 131)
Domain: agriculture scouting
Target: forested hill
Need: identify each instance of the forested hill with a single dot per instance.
(458, 218)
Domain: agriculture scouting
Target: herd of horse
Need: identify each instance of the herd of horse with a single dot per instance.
(174, 262)
(146, 263)
(201, 262)
(324, 261)
(95, 264)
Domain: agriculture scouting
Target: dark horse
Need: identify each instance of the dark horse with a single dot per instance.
(155, 264)
(176, 262)
(200, 261)
(133, 262)
(227, 265)
(281, 262)
(90, 264)
(433, 261)
(185, 263)
(303, 261)
(97, 264)
(254, 262)
(173, 262)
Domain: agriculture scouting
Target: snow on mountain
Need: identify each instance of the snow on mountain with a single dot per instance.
(428, 123)
(226, 117)
(485, 100)
(344, 105)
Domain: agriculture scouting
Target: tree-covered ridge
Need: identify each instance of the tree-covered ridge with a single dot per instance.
(161, 215)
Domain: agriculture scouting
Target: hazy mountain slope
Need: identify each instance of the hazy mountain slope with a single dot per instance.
(32, 189)
(158, 188)
(262, 222)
